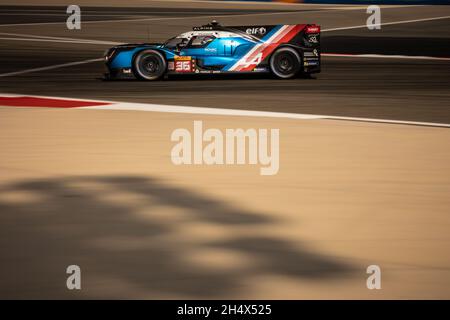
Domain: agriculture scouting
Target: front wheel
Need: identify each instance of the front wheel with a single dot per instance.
(285, 63)
(149, 65)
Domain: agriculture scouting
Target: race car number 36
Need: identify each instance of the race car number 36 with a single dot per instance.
(183, 64)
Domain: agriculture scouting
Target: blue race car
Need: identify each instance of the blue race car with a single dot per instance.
(283, 50)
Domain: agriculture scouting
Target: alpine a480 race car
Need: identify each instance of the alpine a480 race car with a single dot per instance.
(283, 50)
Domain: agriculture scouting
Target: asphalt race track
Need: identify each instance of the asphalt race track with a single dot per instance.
(99, 188)
(401, 89)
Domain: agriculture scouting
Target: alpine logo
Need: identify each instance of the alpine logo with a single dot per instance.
(262, 50)
(256, 30)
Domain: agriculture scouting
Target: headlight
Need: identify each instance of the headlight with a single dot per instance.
(105, 55)
(108, 54)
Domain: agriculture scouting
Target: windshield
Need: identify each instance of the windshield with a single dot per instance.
(175, 43)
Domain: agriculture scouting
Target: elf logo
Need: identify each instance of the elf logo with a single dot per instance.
(256, 30)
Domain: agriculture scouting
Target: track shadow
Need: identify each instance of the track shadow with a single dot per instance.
(211, 77)
(129, 248)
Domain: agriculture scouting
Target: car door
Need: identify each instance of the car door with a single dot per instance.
(210, 52)
(198, 46)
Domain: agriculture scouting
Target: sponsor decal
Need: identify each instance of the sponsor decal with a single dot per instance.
(171, 65)
(254, 62)
(256, 30)
(312, 29)
(183, 64)
(202, 28)
(310, 63)
(183, 58)
(262, 69)
(260, 51)
(313, 39)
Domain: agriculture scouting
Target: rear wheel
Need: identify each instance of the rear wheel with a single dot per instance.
(149, 65)
(285, 63)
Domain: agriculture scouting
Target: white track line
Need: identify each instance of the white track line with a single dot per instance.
(93, 41)
(125, 106)
(414, 123)
(64, 15)
(386, 23)
(15, 73)
(198, 110)
(58, 41)
(130, 106)
(156, 19)
(383, 56)
(205, 16)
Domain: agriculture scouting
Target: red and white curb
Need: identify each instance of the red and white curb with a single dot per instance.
(11, 100)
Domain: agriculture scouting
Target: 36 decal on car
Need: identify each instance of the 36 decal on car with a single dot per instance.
(183, 64)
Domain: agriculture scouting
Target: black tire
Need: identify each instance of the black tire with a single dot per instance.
(285, 63)
(149, 65)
